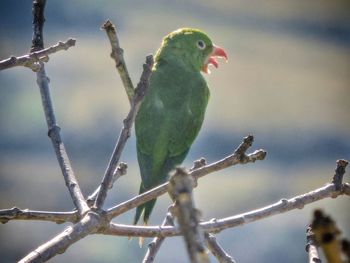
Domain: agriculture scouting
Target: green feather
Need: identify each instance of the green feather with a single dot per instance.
(173, 109)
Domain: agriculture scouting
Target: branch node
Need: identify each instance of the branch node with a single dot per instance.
(216, 249)
(54, 129)
(339, 173)
(198, 163)
(284, 201)
(245, 145)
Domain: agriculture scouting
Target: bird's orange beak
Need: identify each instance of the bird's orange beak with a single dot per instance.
(217, 52)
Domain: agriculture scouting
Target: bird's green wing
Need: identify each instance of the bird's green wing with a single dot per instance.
(145, 161)
(167, 123)
(171, 115)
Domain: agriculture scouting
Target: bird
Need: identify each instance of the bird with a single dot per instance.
(173, 109)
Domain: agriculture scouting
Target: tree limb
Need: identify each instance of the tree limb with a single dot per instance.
(140, 92)
(217, 225)
(216, 249)
(38, 25)
(119, 171)
(155, 244)
(117, 55)
(32, 60)
(54, 130)
(339, 173)
(282, 206)
(213, 225)
(180, 189)
(26, 214)
(89, 224)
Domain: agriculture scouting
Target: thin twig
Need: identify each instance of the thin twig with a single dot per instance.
(32, 60)
(117, 55)
(16, 213)
(282, 206)
(54, 130)
(238, 157)
(311, 247)
(180, 189)
(119, 171)
(155, 244)
(38, 25)
(216, 249)
(140, 92)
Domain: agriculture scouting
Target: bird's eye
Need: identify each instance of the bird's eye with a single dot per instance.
(200, 44)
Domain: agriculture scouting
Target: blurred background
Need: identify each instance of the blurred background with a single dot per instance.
(286, 82)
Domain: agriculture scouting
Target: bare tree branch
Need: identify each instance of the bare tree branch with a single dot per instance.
(119, 171)
(18, 214)
(216, 249)
(238, 157)
(38, 25)
(155, 244)
(339, 173)
(32, 60)
(140, 92)
(284, 205)
(89, 224)
(217, 225)
(54, 130)
(117, 55)
(180, 189)
(311, 247)
(93, 222)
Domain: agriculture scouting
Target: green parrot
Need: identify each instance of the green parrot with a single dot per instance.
(173, 109)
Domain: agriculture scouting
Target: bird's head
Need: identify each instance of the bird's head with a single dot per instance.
(193, 47)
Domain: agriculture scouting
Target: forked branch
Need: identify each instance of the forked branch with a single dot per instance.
(53, 128)
(118, 56)
(140, 92)
(217, 225)
(238, 157)
(35, 59)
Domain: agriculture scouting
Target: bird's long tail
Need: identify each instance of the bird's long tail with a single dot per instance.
(144, 210)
